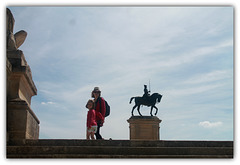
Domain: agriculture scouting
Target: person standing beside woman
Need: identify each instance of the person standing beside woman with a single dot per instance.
(91, 120)
(100, 109)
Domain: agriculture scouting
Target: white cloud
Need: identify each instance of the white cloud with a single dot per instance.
(210, 77)
(193, 90)
(47, 103)
(189, 57)
(208, 124)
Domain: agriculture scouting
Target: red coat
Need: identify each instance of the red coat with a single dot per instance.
(100, 109)
(91, 118)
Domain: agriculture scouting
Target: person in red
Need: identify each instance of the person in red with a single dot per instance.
(91, 120)
(100, 109)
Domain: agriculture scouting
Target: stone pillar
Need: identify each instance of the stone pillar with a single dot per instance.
(22, 123)
(144, 127)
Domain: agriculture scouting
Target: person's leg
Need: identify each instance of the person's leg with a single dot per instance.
(88, 135)
(97, 134)
(92, 136)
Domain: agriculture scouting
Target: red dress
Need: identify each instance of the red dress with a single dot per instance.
(91, 118)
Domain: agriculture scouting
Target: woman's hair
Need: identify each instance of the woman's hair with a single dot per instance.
(98, 92)
(91, 102)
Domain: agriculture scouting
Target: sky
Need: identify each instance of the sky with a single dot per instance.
(185, 52)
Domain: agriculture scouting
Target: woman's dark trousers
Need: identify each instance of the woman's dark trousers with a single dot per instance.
(97, 134)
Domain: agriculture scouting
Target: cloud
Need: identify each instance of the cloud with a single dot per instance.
(190, 56)
(210, 77)
(47, 103)
(208, 124)
(194, 90)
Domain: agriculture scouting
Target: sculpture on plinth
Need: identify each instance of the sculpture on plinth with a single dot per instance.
(14, 41)
(147, 100)
(22, 123)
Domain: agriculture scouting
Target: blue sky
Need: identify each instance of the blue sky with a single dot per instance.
(186, 52)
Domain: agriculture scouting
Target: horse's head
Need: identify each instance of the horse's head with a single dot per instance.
(159, 97)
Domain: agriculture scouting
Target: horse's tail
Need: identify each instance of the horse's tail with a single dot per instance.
(131, 100)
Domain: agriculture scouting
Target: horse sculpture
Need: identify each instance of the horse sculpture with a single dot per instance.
(150, 101)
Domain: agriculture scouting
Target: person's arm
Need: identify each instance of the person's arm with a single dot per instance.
(93, 117)
(103, 108)
(88, 119)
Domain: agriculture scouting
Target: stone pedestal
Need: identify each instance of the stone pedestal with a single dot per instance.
(22, 123)
(144, 127)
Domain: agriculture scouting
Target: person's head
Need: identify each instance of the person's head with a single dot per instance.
(96, 92)
(90, 104)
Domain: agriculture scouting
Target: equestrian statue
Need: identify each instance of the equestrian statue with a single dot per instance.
(147, 100)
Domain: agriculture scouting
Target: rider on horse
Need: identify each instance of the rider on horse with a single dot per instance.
(146, 95)
(146, 100)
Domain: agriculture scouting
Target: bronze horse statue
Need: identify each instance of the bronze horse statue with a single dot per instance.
(147, 101)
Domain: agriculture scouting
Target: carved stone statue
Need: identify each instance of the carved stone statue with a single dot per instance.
(22, 123)
(14, 41)
(146, 100)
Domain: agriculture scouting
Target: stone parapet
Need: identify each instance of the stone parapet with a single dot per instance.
(76, 148)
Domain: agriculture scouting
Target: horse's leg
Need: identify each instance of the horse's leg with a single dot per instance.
(133, 109)
(139, 111)
(156, 109)
(151, 111)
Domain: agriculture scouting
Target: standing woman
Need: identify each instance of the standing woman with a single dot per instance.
(100, 110)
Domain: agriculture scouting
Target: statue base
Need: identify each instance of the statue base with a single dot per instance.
(144, 127)
(22, 123)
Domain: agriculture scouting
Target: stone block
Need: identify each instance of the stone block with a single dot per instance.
(144, 127)
(22, 123)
